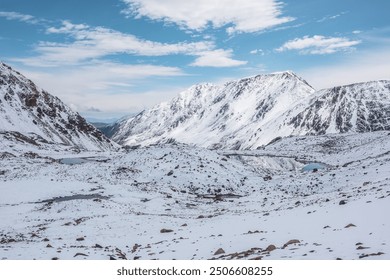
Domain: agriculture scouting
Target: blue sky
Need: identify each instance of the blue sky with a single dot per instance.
(109, 58)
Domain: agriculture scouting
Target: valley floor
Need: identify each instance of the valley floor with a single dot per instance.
(307, 197)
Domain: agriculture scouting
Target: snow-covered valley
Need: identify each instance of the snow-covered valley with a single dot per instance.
(176, 201)
(307, 177)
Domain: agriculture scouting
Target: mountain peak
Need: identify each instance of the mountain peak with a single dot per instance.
(209, 115)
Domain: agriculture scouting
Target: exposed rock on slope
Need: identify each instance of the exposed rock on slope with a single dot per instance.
(230, 116)
(29, 114)
(251, 112)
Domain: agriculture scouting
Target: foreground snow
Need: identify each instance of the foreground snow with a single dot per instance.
(184, 202)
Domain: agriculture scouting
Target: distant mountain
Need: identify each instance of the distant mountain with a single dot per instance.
(361, 107)
(29, 114)
(251, 112)
(110, 126)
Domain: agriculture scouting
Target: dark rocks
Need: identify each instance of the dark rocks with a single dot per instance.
(270, 248)
(350, 225)
(342, 202)
(267, 178)
(80, 239)
(220, 251)
(164, 230)
(371, 255)
(80, 254)
(292, 241)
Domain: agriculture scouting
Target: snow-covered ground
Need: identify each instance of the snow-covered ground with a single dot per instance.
(176, 201)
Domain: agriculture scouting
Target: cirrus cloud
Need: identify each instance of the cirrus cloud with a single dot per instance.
(319, 45)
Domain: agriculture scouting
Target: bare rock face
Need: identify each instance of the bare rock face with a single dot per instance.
(38, 117)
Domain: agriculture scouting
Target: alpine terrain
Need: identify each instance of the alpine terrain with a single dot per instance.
(31, 115)
(292, 173)
(251, 112)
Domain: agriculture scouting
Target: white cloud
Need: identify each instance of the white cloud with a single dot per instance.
(257, 51)
(107, 86)
(19, 16)
(236, 15)
(94, 43)
(319, 45)
(358, 67)
(217, 58)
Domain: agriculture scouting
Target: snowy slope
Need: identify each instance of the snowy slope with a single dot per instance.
(229, 116)
(359, 107)
(249, 113)
(185, 202)
(30, 115)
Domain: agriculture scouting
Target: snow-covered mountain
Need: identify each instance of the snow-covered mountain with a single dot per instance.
(31, 115)
(251, 112)
(230, 116)
(361, 107)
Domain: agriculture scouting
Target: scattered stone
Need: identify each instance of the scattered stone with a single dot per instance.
(80, 254)
(371, 255)
(350, 225)
(164, 230)
(54, 259)
(267, 178)
(135, 248)
(112, 258)
(292, 241)
(270, 248)
(80, 239)
(342, 202)
(46, 240)
(220, 251)
(362, 248)
(170, 173)
(49, 246)
(98, 246)
(184, 225)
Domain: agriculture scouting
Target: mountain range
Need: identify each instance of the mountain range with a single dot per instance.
(68, 192)
(251, 112)
(244, 114)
